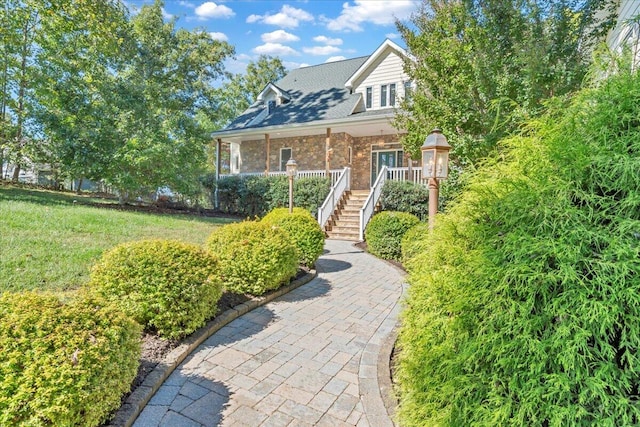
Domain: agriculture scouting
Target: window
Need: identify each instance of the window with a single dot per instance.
(369, 97)
(392, 94)
(408, 91)
(271, 106)
(383, 95)
(349, 155)
(285, 155)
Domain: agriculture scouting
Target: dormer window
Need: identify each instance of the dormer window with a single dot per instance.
(271, 106)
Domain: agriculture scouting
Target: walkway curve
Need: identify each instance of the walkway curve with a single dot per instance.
(308, 358)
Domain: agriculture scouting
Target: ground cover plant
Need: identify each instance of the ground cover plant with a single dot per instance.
(50, 240)
(63, 364)
(303, 229)
(255, 257)
(385, 231)
(169, 287)
(524, 302)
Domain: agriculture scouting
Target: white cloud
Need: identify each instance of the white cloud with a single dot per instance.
(219, 36)
(187, 4)
(327, 40)
(166, 15)
(392, 36)
(335, 58)
(275, 49)
(211, 10)
(321, 50)
(279, 36)
(293, 65)
(383, 12)
(243, 57)
(288, 17)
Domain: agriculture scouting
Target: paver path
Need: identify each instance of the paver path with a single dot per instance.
(307, 358)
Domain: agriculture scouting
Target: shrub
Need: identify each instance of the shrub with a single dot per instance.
(63, 364)
(308, 193)
(254, 256)
(384, 233)
(251, 196)
(303, 229)
(167, 286)
(405, 196)
(523, 307)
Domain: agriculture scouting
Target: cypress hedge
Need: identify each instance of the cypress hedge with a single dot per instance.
(524, 305)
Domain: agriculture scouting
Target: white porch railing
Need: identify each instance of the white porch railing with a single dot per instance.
(402, 174)
(370, 204)
(320, 173)
(342, 184)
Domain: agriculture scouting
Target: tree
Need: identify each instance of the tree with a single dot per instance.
(160, 93)
(481, 67)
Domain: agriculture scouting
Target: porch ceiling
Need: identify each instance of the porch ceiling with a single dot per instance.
(380, 125)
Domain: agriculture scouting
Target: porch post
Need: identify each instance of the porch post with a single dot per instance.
(268, 140)
(328, 150)
(216, 202)
(409, 167)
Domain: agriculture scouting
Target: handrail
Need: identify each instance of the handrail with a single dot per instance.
(343, 183)
(370, 205)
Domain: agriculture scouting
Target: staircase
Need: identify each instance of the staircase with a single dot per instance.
(344, 224)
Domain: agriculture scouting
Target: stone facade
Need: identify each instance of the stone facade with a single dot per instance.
(310, 154)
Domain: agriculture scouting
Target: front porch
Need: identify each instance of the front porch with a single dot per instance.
(346, 212)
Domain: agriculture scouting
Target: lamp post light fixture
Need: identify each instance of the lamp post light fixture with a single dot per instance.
(292, 171)
(435, 166)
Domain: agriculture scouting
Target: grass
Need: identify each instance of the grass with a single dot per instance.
(50, 240)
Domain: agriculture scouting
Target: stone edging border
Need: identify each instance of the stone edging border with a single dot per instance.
(135, 403)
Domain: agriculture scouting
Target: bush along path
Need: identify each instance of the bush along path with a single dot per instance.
(309, 357)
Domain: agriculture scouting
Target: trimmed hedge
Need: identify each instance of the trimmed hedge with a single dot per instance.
(384, 233)
(405, 196)
(524, 304)
(252, 196)
(303, 229)
(63, 364)
(255, 257)
(167, 286)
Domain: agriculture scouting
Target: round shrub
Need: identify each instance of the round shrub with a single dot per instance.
(384, 233)
(254, 256)
(167, 286)
(303, 229)
(63, 364)
(405, 196)
(524, 306)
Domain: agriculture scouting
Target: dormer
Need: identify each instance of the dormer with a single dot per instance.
(272, 96)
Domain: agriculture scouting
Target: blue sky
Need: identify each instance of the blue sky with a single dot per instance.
(299, 32)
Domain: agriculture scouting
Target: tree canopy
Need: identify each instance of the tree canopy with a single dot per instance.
(482, 67)
(128, 100)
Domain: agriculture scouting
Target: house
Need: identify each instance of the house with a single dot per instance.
(334, 119)
(626, 32)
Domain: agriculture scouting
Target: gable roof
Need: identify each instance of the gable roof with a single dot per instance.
(270, 87)
(315, 93)
(380, 51)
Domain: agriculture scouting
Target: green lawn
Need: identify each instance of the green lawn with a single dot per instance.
(49, 241)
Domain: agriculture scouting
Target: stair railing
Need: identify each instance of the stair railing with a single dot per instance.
(369, 207)
(343, 183)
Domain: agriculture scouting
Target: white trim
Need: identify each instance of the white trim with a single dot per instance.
(372, 58)
(318, 124)
(270, 86)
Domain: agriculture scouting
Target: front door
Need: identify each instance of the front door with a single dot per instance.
(390, 159)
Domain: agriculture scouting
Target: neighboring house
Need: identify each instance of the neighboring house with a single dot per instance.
(626, 33)
(326, 117)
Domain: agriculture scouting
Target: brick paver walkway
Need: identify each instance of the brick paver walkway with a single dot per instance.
(308, 358)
